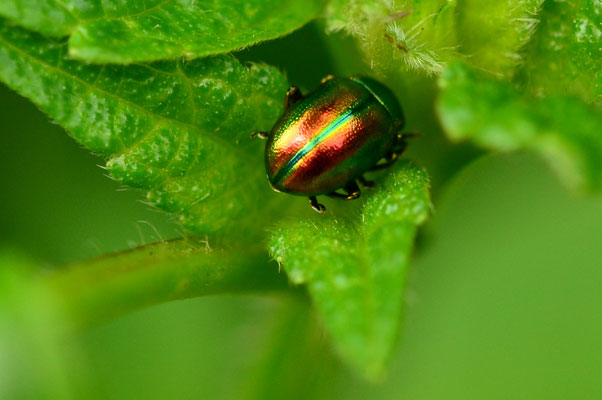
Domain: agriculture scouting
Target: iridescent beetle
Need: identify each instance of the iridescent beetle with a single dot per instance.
(327, 140)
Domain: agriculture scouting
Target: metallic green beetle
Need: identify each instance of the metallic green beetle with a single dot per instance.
(328, 139)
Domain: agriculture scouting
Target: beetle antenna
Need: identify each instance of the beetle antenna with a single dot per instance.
(410, 135)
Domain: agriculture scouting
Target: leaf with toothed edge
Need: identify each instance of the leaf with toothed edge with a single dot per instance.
(496, 116)
(115, 31)
(355, 270)
(178, 129)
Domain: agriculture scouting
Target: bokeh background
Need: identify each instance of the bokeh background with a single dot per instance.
(504, 297)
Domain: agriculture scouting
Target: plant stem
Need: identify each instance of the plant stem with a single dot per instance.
(96, 290)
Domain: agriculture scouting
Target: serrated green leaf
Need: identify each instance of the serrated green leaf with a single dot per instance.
(399, 34)
(492, 35)
(178, 129)
(48, 17)
(116, 31)
(496, 116)
(355, 270)
(564, 55)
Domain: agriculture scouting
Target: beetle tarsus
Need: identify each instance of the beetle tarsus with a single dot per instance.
(260, 135)
(391, 158)
(402, 142)
(398, 149)
(326, 79)
(293, 95)
(365, 182)
(352, 189)
(316, 206)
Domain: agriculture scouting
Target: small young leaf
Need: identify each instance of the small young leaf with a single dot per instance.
(564, 55)
(410, 34)
(355, 270)
(50, 17)
(493, 35)
(494, 115)
(178, 129)
(112, 31)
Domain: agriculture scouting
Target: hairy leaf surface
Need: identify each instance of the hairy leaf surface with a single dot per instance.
(411, 34)
(494, 115)
(355, 270)
(178, 129)
(564, 55)
(493, 35)
(119, 31)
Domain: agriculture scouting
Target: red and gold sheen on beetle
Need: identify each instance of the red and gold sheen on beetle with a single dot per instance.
(327, 140)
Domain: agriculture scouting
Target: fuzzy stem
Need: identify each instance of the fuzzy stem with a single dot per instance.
(96, 290)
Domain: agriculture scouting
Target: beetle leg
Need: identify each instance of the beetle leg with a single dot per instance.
(260, 135)
(402, 142)
(293, 95)
(364, 182)
(398, 149)
(316, 206)
(326, 79)
(391, 158)
(352, 189)
(403, 137)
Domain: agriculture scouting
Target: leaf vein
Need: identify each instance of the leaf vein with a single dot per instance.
(214, 137)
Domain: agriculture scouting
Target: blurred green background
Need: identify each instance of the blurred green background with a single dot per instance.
(504, 299)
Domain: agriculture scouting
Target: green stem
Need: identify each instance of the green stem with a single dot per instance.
(96, 290)
(291, 358)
